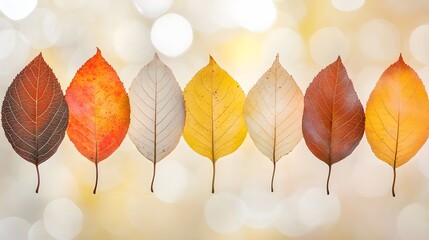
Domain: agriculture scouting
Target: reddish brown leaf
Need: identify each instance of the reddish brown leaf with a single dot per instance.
(35, 113)
(334, 121)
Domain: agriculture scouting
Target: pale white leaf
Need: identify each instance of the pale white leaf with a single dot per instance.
(273, 112)
(157, 111)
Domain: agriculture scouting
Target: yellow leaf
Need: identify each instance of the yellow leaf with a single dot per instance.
(397, 116)
(214, 125)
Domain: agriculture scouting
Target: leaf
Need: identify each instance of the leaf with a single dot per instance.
(397, 116)
(214, 125)
(273, 112)
(157, 112)
(334, 120)
(35, 114)
(99, 110)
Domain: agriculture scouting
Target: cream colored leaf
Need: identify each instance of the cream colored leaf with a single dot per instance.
(273, 112)
(157, 112)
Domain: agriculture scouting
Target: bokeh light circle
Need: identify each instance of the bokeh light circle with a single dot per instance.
(419, 44)
(7, 43)
(171, 182)
(171, 34)
(14, 228)
(255, 15)
(327, 44)
(364, 179)
(151, 8)
(413, 222)
(17, 9)
(261, 206)
(69, 5)
(131, 40)
(288, 221)
(380, 40)
(318, 209)
(13, 60)
(42, 28)
(225, 212)
(347, 5)
(287, 43)
(63, 219)
(38, 232)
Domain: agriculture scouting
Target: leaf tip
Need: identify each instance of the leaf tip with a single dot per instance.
(277, 59)
(339, 59)
(155, 56)
(40, 55)
(98, 52)
(277, 62)
(401, 63)
(212, 61)
(401, 59)
(39, 58)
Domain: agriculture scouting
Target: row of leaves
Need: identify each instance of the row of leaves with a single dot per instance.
(98, 113)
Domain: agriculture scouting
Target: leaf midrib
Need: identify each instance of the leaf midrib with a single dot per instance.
(37, 114)
(332, 116)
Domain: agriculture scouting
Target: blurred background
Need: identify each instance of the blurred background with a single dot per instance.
(243, 36)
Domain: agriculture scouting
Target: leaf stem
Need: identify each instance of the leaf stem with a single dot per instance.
(272, 178)
(214, 175)
(38, 178)
(96, 178)
(327, 180)
(153, 176)
(394, 179)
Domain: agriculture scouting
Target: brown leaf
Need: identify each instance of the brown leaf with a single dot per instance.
(334, 121)
(35, 113)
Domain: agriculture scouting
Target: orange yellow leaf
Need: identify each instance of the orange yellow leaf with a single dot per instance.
(99, 110)
(397, 116)
(214, 124)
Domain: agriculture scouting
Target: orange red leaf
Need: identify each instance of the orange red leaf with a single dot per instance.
(99, 110)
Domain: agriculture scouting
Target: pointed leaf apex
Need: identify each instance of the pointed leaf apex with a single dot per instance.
(155, 56)
(98, 52)
(277, 62)
(400, 59)
(339, 58)
(39, 57)
(212, 61)
(339, 62)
